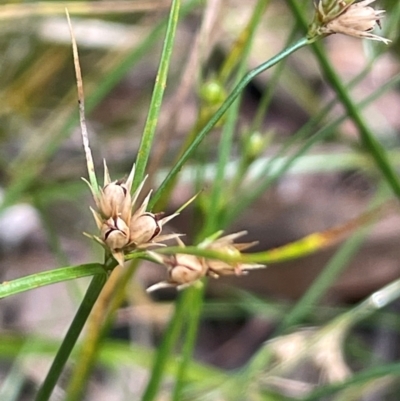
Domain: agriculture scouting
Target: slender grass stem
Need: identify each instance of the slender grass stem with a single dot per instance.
(318, 136)
(99, 324)
(220, 112)
(196, 302)
(367, 138)
(169, 339)
(49, 277)
(158, 93)
(71, 337)
(213, 216)
(87, 350)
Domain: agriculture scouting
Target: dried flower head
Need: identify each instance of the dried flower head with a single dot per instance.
(346, 17)
(185, 270)
(122, 229)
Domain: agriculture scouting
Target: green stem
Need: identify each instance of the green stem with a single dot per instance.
(220, 112)
(376, 150)
(156, 100)
(193, 320)
(49, 277)
(71, 337)
(360, 378)
(264, 183)
(97, 331)
(169, 340)
(367, 138)
(213, 215)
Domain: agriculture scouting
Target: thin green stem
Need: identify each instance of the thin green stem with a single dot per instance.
(218, 194)
(220, 112)
(263, 184)
(49, 277)
(158, 93)
(71, 337)
(359, 378)
(98, 327)
(374, 147)
(169, 339)
(193, 320)
(213, 216)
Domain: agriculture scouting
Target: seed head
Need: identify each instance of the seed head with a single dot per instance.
(227, 246)
(145, 227)
(114, 199)
(115, 233)
(185, 270)
(122, 229)
(346, 17)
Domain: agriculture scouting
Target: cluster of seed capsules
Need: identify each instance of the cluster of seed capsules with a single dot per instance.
(125, 228)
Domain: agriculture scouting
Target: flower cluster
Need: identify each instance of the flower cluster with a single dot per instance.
(123, 229)
(348, 17)
(185, 270)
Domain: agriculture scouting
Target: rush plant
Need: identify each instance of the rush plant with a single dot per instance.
(132, 228)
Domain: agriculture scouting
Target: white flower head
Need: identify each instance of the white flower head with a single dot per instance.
(353, 19)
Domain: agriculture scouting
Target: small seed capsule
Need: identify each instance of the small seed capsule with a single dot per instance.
(186, 269)
(115, 233)
(115, 200)
(144, 228)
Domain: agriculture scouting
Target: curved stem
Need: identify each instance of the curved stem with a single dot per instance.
(367, 138)
(220, 112)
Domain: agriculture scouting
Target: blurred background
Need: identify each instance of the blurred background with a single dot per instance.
(45, 204)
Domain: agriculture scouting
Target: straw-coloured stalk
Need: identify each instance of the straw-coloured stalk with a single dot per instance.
(81, 101)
